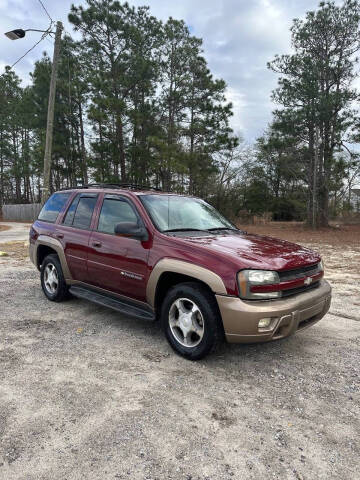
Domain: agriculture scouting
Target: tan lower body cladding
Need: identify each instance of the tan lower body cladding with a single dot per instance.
(55, 245)
(241, 318)
(211, 279)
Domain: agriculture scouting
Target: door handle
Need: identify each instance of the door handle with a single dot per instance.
(59, 235)
(96, 244)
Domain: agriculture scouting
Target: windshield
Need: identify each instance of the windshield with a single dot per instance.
(175, 213)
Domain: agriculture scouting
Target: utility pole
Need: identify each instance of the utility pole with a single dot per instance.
(50, 115)
(315, 180)
(20, 33)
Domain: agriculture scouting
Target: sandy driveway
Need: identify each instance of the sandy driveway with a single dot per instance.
(16, 232)
(86, 394)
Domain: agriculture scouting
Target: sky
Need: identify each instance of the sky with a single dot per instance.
(239, 38)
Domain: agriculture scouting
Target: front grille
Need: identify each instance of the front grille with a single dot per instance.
(299, 272)
(303, 288)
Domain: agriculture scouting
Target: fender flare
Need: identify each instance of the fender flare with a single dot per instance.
(59, 249)
(211, 279)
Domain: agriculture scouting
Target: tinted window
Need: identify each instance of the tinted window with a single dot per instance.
(53, 207)
(69, 217)
(113, 212)
(84, 211)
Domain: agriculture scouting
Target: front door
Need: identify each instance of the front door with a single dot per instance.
(117, 264)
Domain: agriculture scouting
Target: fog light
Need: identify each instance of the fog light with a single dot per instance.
(264, 322)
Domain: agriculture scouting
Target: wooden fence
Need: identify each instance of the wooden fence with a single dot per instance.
(21, 213)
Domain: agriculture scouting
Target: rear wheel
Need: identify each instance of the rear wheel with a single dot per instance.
(191, 320)
(52, 279)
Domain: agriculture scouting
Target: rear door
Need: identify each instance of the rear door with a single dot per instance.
(117, 264)
(74, 232)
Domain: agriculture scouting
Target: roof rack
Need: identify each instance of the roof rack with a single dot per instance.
(130, 186)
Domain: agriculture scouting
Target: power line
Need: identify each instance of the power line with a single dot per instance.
(47, 13)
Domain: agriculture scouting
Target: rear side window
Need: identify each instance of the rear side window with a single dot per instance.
(84, 211)
(53, 207)
(80, 211)
(69, 217)
(115, 211)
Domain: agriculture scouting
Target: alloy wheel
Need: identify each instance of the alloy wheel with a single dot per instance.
(51, 279)
(186, 322)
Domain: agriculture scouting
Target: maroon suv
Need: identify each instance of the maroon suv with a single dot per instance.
(155, 255)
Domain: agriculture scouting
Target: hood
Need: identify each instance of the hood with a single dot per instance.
(256, 251)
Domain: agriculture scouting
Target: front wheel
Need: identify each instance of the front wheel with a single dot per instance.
(191, 321)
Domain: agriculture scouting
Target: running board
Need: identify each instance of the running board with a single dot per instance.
(129, 309)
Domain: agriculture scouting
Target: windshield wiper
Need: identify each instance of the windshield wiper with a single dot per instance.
(223, 228)
(185, 230)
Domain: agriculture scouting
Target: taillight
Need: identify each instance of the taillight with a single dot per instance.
(33, 234)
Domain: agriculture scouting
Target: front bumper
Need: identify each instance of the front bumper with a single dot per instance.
(241, 318)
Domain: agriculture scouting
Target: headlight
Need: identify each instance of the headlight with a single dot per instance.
(254, 278)
(321, 266)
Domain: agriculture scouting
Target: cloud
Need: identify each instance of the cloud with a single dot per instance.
(239, 38)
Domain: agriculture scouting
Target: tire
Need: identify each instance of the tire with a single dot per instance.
(191, 320)
(53, 284)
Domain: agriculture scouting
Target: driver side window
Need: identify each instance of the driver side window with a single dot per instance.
(114, 211)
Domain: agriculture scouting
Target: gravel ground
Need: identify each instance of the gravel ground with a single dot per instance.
(86, 394)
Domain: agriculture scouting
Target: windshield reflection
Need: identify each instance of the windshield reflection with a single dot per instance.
(177, 213)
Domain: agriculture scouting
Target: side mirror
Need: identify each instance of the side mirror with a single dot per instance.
(132, 230)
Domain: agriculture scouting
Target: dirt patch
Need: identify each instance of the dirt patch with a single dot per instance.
(15, 250)
(3, 228)
(297, 232)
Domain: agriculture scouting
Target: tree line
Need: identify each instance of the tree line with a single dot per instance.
(136, 102)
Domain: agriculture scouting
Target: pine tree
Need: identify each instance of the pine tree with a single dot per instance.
(316, 95)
